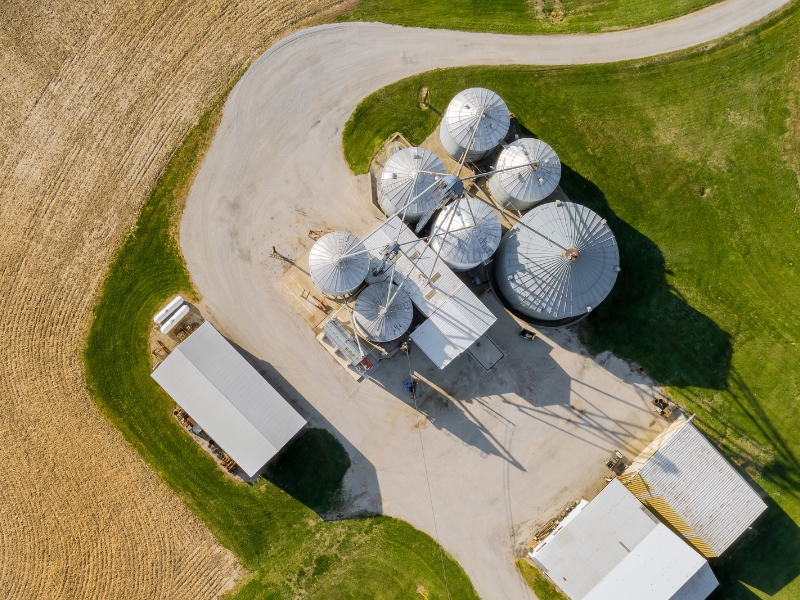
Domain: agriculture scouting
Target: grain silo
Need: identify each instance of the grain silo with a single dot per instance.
(383, 312)
(407, 181)
(476, 119)
(466, 233)
(338, 263)
(536, 178)
(557, 263)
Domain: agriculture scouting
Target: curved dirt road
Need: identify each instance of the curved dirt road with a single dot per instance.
(275, 170)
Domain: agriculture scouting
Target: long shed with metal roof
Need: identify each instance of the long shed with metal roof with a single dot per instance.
(689, 484)
(228, 398)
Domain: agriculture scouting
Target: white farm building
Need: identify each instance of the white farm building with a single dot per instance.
(228, 399)
(614, 548)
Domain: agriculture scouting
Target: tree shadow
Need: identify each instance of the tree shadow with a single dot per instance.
(645, 319)
(320, 467)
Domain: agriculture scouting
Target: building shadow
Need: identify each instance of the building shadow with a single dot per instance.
(319, 468)
(765, 558)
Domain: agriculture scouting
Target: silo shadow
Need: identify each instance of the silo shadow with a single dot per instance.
(645, 319)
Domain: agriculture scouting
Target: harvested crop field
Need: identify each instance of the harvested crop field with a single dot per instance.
(95, 96)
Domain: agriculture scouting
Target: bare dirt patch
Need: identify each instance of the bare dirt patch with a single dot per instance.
(95, 97)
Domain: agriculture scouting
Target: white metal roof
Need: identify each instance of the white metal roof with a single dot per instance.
(401, 181)
(480, 111)
(702, 488)
(228, 398)
(453, 328)
(468, 232)
(379, 323)
(615, 549)
(332, 270)
(529, 183)
(535, 273)
(661, 566)
(432, 287)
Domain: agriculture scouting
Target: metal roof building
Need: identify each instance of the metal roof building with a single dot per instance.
(681, 477)
(476, 118)
(403, 180)
(559, 262)
(456, 317)
(523, 187)
(228, 398)
(613, 548)
(466, 233)
(338, 263)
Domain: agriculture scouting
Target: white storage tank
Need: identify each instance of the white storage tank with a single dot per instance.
(523, 187)
(466, 233)
(167, 310)
(475, 114)
(558, 263)
(338, 263)
(407, 176)
(174, 319)
(383, 312)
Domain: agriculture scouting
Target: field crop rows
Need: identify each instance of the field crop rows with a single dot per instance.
(95, 97)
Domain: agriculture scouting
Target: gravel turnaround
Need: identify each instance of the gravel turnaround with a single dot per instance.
(275, 170)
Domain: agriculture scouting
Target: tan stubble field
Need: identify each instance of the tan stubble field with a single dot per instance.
(94, 97)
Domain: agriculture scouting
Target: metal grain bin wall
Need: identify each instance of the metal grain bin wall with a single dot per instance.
(383, 312)
(407, 176)
(560, 261)
(466, 233)
(477, 115)
(338, 263)
(521, 188)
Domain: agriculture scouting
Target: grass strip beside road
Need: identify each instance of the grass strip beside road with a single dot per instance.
(543, 589)
(690, 158)
(525, 16)
(289, 549)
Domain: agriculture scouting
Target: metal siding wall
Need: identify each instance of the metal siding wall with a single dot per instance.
(703, 489)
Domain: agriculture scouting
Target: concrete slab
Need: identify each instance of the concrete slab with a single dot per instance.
(486, 352)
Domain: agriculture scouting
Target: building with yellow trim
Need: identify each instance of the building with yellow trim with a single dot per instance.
(684, 480)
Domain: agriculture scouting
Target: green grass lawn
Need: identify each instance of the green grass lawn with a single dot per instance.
(290, 550)
(543, 589)
(524, 16)
(690, 159)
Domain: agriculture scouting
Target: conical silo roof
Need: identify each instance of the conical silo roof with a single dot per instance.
(379, 321)
(528, 184)
(468, 233)
(563, 264)
(338, 263)
(479, 110)
(402, 181)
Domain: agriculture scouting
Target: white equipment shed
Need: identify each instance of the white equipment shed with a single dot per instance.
(613, 548)
(229, 399)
